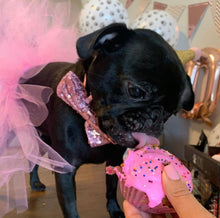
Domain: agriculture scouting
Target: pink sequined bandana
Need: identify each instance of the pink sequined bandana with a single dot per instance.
(72, 91)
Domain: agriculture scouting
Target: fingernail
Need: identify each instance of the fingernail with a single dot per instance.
(171, 172)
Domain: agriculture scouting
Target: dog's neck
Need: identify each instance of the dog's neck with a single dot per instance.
(72, 91)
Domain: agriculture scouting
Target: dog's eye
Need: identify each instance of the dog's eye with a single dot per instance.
(135, 92)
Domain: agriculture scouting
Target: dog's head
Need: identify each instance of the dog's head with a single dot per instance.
(136, 80)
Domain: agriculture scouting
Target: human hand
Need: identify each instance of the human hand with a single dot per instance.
(132, 212)
(184, 203)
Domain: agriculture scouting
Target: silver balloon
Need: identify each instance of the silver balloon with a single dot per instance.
(96, 14)
(161, 22)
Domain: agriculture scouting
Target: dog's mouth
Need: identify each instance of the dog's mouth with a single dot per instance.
(131, 128)
(135, 139)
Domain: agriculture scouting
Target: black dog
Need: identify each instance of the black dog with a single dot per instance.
(137, 82)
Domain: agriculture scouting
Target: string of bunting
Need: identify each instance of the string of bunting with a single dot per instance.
(142, 6)
(195, 12)
(215, 9)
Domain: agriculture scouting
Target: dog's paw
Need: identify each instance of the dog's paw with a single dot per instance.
(38, 186)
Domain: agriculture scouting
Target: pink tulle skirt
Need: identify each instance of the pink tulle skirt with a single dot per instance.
(32, 33)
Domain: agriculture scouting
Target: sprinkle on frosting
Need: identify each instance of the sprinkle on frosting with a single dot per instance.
(142, 170)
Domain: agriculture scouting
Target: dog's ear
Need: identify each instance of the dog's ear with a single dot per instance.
(109, 37)
(187, 98)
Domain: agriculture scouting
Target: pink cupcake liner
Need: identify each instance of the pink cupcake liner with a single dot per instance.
(140, 200)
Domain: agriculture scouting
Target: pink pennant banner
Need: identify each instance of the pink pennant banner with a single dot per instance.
(175, 10)
(215, 9)
(195, 13)
(143, 6)
(160, 6)
(128, 3)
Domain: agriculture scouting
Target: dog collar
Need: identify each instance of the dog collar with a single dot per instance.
(72, 91)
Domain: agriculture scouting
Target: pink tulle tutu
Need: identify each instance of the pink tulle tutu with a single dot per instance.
(32, 33)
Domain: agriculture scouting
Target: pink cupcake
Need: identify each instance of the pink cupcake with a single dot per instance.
(141, 178)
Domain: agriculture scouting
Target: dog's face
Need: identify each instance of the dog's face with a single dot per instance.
(136, 80)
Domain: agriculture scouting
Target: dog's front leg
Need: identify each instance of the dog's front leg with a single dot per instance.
(66, 192)
(111, 194)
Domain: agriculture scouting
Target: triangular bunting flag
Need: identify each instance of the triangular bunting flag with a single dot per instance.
(145, 5)
(128, 3)
(195, 13)
(175, 11)
(142, 6)
(160, 6)
(215, 8)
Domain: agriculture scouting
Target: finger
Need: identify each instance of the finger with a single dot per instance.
(132, 212)
(179, 196)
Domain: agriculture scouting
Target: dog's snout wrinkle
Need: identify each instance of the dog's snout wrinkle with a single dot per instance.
(156, 115)
(131, 121)
(119, 109)
(149, 122)
(106, 122)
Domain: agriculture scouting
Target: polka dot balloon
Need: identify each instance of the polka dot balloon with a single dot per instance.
(161, 22)
(96, 14)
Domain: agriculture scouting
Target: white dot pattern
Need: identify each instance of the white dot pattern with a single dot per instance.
(161, 22)
(97, 14)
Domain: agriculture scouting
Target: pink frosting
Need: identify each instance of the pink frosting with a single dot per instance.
(142, 170)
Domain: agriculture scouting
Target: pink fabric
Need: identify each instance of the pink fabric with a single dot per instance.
(72, 91)
(31, 33)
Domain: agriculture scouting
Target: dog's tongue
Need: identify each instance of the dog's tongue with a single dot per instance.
(145, 139)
